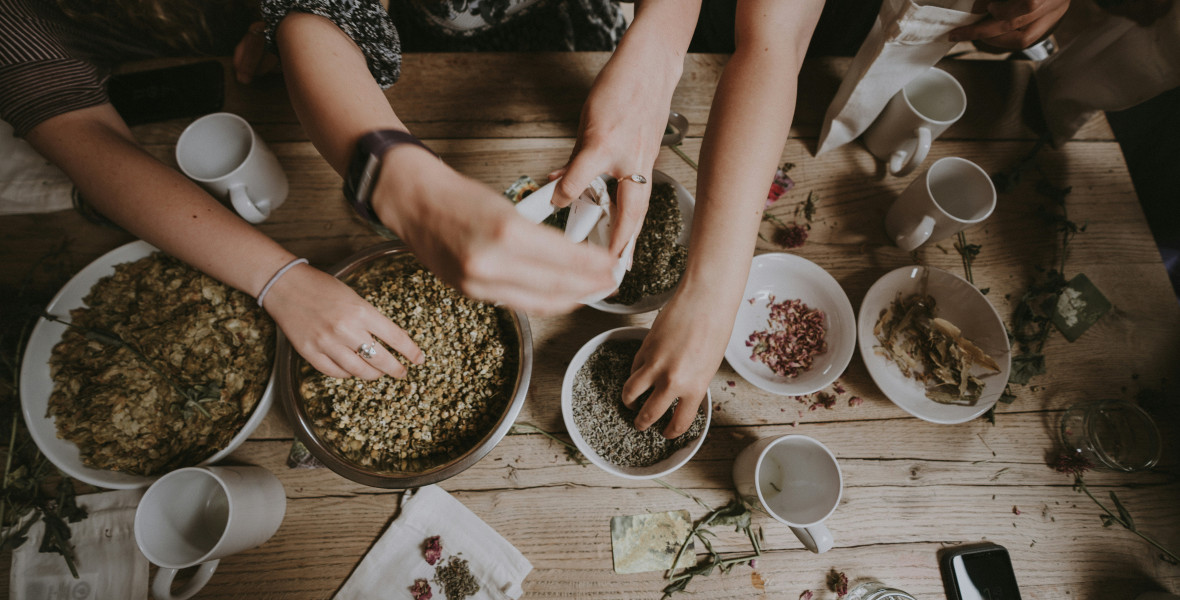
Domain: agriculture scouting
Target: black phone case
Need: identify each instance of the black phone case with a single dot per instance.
(157, 95)
(1011, 592)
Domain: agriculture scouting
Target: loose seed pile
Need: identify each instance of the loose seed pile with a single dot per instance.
(793, 338)
(659, 260)
(606, 424)
(442, 407)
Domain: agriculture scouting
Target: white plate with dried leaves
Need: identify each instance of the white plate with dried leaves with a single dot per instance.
(956, 300)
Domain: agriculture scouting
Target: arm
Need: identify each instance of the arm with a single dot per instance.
(1012, 24)
(625, 114)
(97, 150)
(748, 125)
(461, 230)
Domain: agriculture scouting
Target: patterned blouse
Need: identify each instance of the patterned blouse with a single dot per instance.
(459, 25)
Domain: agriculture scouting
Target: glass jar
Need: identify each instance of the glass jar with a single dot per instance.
(1114, 434)
(875, 590)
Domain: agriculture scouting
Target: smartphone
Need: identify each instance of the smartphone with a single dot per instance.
(172, 92)
(978, 572)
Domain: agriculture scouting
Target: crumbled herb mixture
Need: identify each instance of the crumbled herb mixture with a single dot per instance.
(456, 579)
(148, 334)
(659, 260)
(607, 424)
(442, 407)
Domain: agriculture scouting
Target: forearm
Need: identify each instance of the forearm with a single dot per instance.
(749, 123)
(153, 201)
(658, 38)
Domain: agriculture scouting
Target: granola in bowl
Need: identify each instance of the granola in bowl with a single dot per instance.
(444, 414)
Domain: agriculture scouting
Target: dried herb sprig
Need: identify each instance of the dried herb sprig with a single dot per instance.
(192, 396)
(1076, 465)
(968, 252)
(32, 488)
(736, 514)
(571, 450)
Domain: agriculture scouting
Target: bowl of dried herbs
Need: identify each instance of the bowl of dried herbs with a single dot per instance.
(603, 428)
(445, 414)
(661, 250)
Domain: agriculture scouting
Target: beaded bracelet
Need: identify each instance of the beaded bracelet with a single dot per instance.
(275, 277)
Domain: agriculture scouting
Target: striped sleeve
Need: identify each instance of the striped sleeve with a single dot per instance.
(39, 78)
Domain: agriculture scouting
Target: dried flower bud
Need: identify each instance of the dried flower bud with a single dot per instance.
(432, 549)
(421, 590)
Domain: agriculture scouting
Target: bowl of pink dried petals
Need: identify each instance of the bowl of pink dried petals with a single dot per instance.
(795, 331)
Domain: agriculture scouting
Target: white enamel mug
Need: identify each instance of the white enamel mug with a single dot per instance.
(199, 515)
(796, 480)
(223, 154)
(918, 113)
(952, 195)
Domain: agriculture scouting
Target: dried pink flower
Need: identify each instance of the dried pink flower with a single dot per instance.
(806, 595)
(1072, 463)
(421, 590)
(432, 549)
(838, 582)
(1015, 511)
(855, 401)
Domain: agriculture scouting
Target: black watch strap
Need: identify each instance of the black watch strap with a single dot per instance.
(365, 167)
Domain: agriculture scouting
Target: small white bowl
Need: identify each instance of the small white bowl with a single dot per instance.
(955, 300)
(36, 382)
(655, 301)
(787, 277)
(659, 469)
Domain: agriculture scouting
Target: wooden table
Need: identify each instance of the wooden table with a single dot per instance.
(912, 487)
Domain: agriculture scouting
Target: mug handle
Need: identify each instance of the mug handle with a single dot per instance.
(917, 236)
(246, 207)
(817, 538)
(162, 584)
(899, 166)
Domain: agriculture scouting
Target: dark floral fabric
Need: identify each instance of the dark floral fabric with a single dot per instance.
(365, 21)
(459, 26)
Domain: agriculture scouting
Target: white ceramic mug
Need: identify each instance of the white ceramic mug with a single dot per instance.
(223, 154)
(952, 195)
(199, 515)
(918, 113)
(796, 480)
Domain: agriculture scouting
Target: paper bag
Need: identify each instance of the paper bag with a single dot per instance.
(908, 38)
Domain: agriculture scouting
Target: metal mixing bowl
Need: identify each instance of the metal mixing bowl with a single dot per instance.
(288, 363)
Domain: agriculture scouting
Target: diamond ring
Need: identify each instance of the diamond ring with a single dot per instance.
(637, 178)
(367, 351)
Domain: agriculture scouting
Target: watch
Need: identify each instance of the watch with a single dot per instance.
(365, 167)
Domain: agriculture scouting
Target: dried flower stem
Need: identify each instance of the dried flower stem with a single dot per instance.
(571, 450)
(1122, 517)
(676, 148)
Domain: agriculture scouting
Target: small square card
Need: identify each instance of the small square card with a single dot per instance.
(1079, 306)
(649, 542)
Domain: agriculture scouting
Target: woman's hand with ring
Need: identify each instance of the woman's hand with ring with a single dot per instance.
(332, 327)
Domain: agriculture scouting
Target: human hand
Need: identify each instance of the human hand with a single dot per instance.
(250, 56)
(472, 238)
(1011, 24)
(326, 322)
(622, 125)
(678, 359)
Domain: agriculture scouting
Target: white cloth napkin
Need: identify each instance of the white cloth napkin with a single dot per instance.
(28, 182)
(1110, 64)
(396, 560)
(109, 562)
(908, 38)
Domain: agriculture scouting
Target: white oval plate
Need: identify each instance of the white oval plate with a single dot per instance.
(36, 383)
(657, 301)
(955, 300)
(786, 277)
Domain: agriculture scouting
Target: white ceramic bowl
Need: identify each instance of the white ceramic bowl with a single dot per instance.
(36, 383)
(659, 469)
(656, 301)
(955, 300)
(788, 277)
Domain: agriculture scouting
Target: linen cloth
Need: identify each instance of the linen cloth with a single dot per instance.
(396, 560)
(907, 39)
(109, 562)
(29, 183)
